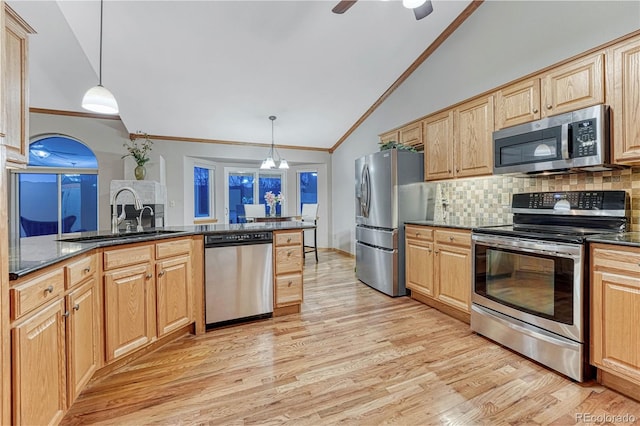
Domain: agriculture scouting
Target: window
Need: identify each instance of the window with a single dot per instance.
(203, 185)
(58, 191)
(241, 189)
(307, 188)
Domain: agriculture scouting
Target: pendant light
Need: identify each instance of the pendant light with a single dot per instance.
(412, 4)
(269, 162)
(99, 99)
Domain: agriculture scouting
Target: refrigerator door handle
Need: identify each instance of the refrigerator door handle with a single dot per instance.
(366, 191)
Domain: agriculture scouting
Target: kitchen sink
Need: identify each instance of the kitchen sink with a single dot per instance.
(112, 237)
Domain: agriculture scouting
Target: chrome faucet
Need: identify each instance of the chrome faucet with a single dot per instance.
(139, 228)
(115, 219)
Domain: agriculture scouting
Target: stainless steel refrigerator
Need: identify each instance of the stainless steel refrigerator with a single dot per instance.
(389, 191)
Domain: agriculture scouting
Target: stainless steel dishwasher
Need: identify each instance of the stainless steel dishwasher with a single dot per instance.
(238, 277)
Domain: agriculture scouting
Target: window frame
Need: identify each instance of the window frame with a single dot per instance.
(211, 167)
(256, 172)
(298, 194)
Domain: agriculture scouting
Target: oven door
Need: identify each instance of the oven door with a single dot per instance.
(537, 282)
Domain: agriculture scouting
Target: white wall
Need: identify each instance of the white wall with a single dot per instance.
(167, 165)
(500, 42)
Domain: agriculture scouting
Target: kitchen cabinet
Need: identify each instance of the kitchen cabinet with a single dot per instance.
(392, 136)
(174, 285)
(411, 135)
(625, 101)
(438, 146)
(38, 367)
(129, 299)
(517, 103)
(473, 143)
(458, 142)
(15, 84)
(438, 268)
(288, 264)
(615, 313)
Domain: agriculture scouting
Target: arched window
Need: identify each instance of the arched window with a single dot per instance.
(58, 191)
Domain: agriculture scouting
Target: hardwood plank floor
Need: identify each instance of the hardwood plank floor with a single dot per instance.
(352, 356)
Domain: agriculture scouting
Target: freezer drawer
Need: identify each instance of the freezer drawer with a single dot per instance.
(377, 237)
(378, 268)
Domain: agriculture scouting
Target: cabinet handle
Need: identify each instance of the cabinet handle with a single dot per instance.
(161, 273)
(76, 307)
(457, 169)
(437, 252)
(417, 234)
(549, 106)
(290, 284)
(149, 276)
(429, 250)
(49, 289)
(451, 238)
(289, 239)
(66, 314)
(87, 270)
(535, 110)
(289, 253)
(449, 170)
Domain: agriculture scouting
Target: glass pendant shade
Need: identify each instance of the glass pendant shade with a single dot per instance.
(99, 99)
(412, 4)
(283, 164)
(268, 163)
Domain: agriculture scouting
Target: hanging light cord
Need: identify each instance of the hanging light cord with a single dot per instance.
(273, 146)
(100, 70)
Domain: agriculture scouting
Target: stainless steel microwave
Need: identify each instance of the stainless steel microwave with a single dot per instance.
(577, 140)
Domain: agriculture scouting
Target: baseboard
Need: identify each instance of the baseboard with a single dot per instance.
(341, 252)
(442, 307)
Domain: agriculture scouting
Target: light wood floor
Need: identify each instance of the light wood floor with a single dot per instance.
(353, 356)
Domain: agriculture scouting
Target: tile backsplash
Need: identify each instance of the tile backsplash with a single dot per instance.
(490, 197)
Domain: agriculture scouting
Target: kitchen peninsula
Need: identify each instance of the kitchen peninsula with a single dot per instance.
(98, 301)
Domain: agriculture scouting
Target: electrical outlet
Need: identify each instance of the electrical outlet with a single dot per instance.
(172, 203)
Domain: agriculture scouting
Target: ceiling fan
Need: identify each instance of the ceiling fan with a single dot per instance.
(421, 8)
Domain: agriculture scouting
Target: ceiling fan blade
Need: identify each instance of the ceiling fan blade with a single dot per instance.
(343, 6)
(424, 10)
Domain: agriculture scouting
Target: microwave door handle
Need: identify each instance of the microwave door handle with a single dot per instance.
(564, 141)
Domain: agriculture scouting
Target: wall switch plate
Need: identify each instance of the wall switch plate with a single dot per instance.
(172, 203)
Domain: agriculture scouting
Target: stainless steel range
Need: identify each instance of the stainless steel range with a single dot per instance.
(530, 289)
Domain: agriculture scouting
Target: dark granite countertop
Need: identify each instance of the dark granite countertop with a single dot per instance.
(631, 239)
(27, 255)
(469, 223)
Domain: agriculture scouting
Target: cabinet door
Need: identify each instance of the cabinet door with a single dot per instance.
(517, 104)
(82, 337)
(173, 290)
(16, 91)
(39, 386)
(615, 316)
(438, 146)
(288, 290)
(129, 317)
(411, 135)
(473, 138)
(453, 272)
(576, 85)
(626, 102)
(419, 267)
(389, 137)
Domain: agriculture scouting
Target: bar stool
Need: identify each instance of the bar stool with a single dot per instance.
(309, 214)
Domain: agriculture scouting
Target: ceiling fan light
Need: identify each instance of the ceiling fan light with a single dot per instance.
(283, 164)
(99, 99)
(412, 4)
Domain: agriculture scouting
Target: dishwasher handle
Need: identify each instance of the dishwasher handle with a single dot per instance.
(226, 239)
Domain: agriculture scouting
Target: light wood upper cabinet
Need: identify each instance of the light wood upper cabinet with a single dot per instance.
(473, 128)
(572, 86)
(615, 313)
(625, 102)
(438, 146)
(38, 367)
(392, 136)
(411, 135)
(15, 81)
(174, 293)
(518, 103)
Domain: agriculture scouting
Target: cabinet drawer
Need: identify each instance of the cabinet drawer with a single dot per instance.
(453, 237)
(78, 271)
(173, 248)
(288, 259)
(35, 292)
(287, 238)
(613, 259)
(127, 256)
(288, 289)
(418, 233)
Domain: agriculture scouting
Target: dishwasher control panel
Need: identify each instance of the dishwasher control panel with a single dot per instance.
(235, 238)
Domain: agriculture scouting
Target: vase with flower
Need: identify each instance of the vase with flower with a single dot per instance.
(139, 152)
(271, 199)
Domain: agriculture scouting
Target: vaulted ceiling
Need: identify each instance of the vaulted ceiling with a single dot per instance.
(218, 69)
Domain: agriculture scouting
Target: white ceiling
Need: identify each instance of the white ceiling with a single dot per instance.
(218, 69)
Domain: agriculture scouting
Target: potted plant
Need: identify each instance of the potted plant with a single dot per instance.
(139, 152)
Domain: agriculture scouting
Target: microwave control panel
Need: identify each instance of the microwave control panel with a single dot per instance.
(584, 138)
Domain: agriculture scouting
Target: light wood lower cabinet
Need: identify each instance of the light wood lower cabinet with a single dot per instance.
(615, 313)
(39, 372)
(173, 288)
(438, 268)
(288, 263)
